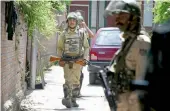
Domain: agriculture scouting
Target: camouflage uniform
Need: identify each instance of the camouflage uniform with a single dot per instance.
(136, 58)
(80, 19)
(136, 62)
(72, 44)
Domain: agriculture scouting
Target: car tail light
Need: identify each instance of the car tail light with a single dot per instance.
(93, 56)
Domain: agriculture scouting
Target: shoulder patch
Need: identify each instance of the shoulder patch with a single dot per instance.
(143, 52)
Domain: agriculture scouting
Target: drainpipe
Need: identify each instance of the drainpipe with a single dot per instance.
(33, 59)
(97, 17)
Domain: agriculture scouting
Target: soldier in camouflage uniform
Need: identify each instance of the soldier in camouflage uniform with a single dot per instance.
(89, 33)
(136, 43)
(83, 25)
(73, 44)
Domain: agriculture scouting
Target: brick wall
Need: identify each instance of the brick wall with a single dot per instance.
(50, 44)
(13, 60)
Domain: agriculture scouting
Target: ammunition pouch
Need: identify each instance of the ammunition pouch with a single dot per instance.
(70, 60)
(123, 80)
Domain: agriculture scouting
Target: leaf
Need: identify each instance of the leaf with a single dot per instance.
(39, 14)
(162, 11)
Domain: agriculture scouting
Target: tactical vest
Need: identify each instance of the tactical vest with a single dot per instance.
(123, 75)
(73, 44)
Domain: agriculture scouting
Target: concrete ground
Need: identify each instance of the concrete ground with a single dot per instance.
(49, 99)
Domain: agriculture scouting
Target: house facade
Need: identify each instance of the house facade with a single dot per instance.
(93, 13)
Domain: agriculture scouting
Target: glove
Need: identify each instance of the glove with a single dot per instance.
(61, 63)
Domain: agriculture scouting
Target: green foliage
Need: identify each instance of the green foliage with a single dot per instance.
(161, 11)
(40, 15)
(60, 5)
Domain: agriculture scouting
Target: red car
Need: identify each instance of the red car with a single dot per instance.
(103, 47)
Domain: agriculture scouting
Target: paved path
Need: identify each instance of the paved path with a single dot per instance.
(50, 98)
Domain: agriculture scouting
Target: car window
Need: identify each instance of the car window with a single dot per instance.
(108, 37)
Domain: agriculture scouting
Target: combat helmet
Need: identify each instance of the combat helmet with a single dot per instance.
(127, 6)
(79, 16)
(71, 15)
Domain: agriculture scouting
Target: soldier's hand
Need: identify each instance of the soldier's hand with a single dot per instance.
(83, 62)
(83, 24)
(61, 63)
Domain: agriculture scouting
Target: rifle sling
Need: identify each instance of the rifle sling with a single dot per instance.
(120, 66)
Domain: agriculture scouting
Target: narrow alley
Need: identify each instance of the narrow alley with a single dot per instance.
(131, 36)
(50, 98)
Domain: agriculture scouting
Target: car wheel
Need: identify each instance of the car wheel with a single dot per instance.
(92, 78)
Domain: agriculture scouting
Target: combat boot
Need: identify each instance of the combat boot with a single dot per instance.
(67, 102)
(74, 103)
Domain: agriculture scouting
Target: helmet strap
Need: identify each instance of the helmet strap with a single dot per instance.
(130, 20)
(72, 27)
(134, 24)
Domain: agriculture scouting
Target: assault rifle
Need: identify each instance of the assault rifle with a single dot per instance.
(75, 60)
(108, 89)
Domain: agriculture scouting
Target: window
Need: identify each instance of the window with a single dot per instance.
(108, 37)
